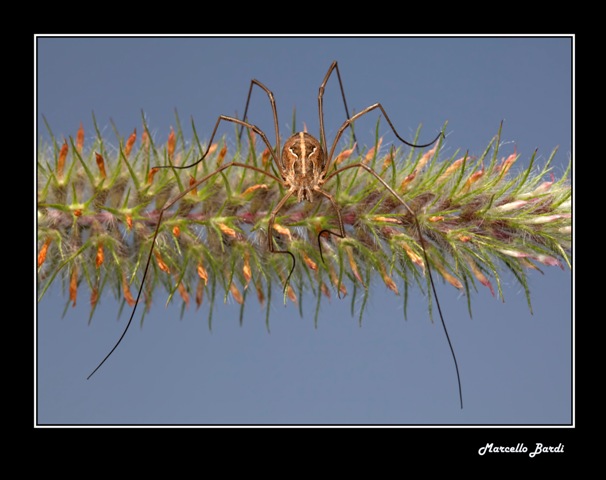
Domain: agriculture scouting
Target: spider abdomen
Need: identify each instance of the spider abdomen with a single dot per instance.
(303, 164)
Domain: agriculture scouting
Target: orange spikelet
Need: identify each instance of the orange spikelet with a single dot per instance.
(425, 158)
(172, 142)
(100, 256)
(43, 251)
(254, 188)
(436, 218)
(212, 149)
(388, 280)
(480, 275)
(221, 156)
(389, 158)
(200, 293)
(325, 290)
(260, 293)
(80, 138)
(246, 270)
(78, 212)
(473, 179)
(61, 160)
(455, 282)
(335, 281)
(450, 170)
(183, 293)
(126, 291)
(309, 262)
(176, 231)
(129, 221)
(344, 155)
(161, 263)
(506, 163)
(101, 164)
(227, 230)
(265, 156)
(192, 180)
(94, 296)
(73, 285)
(202, 273)
(416, 259)
(391, 284)
(282, 231)
(130, 142)
(291, 294)
(253, 138)
(150, 175)
(371, 153)
(236, 293)
(353, 265)
(409, 178)
(145, 140)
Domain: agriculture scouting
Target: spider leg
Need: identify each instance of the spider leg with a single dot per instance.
(333, 67)
(272, 101)
(225, 118)
(169, 204)
(157, 230)
(341, 233)
(270, 242)
(349, 121)
(425, 256)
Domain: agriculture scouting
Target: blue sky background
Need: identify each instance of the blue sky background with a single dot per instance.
(515, 367)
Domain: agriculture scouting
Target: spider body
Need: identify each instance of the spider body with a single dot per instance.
(303, 165)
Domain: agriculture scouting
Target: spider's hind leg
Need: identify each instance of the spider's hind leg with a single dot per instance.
(341, 233)
(320, 243)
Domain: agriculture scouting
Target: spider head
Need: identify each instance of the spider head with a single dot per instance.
(303, 164)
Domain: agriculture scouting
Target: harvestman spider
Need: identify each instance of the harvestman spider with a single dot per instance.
(303, 168)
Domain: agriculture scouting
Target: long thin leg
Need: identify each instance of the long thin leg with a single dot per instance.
(272, 101)
(270, 238)
(272, 219)
(225, 118)
(151, 251)
(349, 121)
(334, 66)
(425, 256)
(341, 233)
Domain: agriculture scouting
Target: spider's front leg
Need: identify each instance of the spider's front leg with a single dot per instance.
(182, 194)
